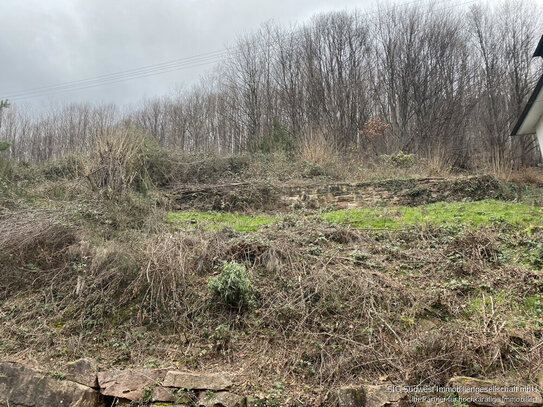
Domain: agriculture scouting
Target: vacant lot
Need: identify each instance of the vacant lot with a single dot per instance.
(296, 301)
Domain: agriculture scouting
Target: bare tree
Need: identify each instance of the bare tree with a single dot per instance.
(449, 84)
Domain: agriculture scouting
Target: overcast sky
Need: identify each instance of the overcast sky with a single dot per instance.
(44, 42)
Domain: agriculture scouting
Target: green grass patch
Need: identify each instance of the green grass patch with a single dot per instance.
(534, 305)
(480, 213)
(219, 220)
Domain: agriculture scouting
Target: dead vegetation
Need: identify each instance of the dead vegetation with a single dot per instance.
(100, 273)
(333, 305)
(33, 246)
(530, 176)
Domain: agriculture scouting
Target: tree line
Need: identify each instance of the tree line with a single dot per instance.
(442, 82)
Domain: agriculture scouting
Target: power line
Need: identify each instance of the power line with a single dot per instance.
(113, 80)
(150, 68)
(207, 58)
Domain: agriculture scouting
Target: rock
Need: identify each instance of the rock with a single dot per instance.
(350, 397)
(172, 395)
(221, 399)
(21, 386)
(195, 381)
(478, 392)
(160, 393)
(83, 371)
(379, 396)
(368, 396)
(129, 384)
(169, 405)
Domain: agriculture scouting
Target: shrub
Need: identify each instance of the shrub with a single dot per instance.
(126, 158)
(399, 160)
(71, 166)
(311, 170)
(374, 128)
(315, 148)
(233, 285)
(278, 139)
(4, 145)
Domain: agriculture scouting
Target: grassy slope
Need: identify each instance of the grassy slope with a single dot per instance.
(116, 278)
(473, 214)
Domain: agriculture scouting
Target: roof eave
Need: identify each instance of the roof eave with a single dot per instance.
(531, 101)
(539, 49)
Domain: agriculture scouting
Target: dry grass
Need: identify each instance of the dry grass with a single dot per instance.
(117, 159)
(333, 305)
(169, 277)
(315, 148)
(439, 162)
(24, 231)
(530, 176)
(33, 248)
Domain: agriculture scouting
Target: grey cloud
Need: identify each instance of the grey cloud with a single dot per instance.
(55, 41)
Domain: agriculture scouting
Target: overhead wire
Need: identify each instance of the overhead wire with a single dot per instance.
(128, 71)
(111, 80)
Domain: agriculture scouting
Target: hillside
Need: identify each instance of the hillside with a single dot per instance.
(295, 286)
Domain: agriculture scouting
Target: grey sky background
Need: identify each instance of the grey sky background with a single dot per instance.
(44, 42)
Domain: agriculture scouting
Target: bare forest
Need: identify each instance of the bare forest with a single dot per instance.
(443, 83)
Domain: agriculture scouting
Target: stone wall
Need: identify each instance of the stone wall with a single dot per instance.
(395, 192)
(80, 384)
(247, 196)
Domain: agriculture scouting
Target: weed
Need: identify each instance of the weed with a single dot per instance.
(209, 394)
(359, 255)
(223, 339)
(535, 255)
(457, 402)
(233, 285)
(314, 249)
(57, 375)
(534, 305)
(277, 389)
(185, 397)
(68, 167)
(150, 364)
(147, 395)
(4, 145)
(400, 160)
(311, 170)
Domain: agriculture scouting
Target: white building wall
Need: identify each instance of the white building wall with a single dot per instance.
(539, 132)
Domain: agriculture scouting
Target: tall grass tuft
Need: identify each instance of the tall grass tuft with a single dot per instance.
(122, 159)
(315, 148)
